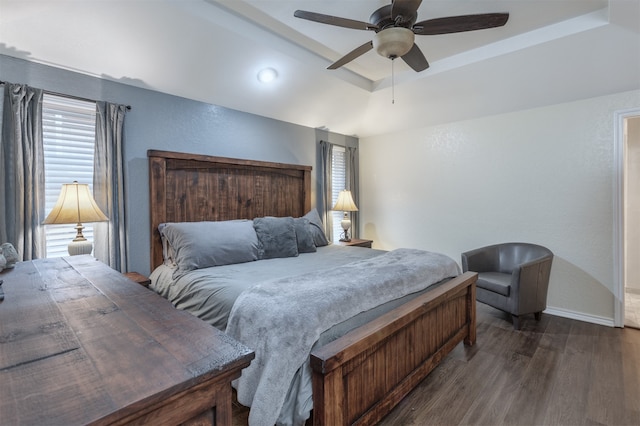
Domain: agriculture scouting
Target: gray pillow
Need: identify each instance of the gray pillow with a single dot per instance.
(304, 236)
(196, 245)
(317, 229)
(277, 237)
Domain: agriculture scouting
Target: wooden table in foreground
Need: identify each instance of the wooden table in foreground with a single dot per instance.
(82, 344)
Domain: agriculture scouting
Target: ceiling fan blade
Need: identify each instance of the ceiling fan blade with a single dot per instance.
(334, 20)
(457, 24)
(358, 51)
(408, 9)
(415, 59)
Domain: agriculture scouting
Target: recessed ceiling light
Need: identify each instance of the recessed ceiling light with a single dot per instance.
(267, 75)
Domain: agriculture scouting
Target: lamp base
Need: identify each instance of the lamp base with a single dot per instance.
(80, 247)
(346, 224)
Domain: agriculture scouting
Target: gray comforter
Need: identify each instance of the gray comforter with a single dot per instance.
(210, 294)
(282, 318)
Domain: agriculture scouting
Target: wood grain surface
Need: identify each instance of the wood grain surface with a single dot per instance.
(82, 344)
(191, 187)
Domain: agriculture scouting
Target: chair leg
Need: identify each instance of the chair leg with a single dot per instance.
(538, 315)
(516, 322)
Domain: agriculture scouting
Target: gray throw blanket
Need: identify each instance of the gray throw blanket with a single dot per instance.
(281, 319)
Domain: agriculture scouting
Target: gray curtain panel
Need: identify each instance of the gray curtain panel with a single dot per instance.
(22, 175)
(352, 185)
(110, 242)
(326, 150)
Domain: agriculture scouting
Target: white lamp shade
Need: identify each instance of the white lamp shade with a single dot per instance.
(345, 202)
(75, 205)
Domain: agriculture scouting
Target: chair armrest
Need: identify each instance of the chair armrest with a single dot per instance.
(533, 265)
(529, 284)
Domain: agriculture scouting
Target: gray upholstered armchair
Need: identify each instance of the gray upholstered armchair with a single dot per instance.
(512, 277)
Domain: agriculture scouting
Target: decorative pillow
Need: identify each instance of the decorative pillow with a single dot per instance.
(304, 236)
(277, 237)
(317, 229)
(195, 245)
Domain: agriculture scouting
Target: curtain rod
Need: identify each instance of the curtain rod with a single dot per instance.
(64, 95)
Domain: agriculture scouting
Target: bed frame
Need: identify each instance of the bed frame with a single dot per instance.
(360, 377)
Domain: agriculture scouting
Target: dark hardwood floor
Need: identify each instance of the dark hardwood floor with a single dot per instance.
(553, 372)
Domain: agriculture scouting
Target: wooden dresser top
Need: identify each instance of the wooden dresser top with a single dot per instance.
(80, 343)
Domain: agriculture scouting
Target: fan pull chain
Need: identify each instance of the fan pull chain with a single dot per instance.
(393, 83)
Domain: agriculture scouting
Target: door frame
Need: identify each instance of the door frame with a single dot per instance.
(618, 212)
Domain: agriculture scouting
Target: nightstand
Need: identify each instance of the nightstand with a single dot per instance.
(139, 278)
(356, 242)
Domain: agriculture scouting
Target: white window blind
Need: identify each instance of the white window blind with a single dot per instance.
(68, 130)
(338, 182)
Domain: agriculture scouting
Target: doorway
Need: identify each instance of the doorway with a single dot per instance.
(631, 213)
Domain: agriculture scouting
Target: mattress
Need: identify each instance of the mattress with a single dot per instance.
(209, 293)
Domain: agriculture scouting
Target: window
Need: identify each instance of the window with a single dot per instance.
(338, 183)
(68, 131)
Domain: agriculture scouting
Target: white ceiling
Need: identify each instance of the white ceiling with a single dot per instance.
(549, 51)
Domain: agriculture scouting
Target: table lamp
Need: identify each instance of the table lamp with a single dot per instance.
(345, 203)
(76, 205)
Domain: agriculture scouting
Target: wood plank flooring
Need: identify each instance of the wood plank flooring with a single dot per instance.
(553, 372)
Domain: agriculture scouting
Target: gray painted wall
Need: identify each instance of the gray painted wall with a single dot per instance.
(165, 122)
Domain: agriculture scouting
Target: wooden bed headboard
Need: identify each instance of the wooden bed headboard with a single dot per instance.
(190, 188)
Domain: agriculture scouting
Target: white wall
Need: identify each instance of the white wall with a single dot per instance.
(543, 176)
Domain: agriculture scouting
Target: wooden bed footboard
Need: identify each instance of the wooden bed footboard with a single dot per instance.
(360, 377)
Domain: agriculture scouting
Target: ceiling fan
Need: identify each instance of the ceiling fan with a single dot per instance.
(395, 27)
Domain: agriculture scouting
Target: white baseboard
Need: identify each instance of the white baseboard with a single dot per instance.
(594, 319)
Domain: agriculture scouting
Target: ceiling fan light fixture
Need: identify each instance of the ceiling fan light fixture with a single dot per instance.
(393, 42)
